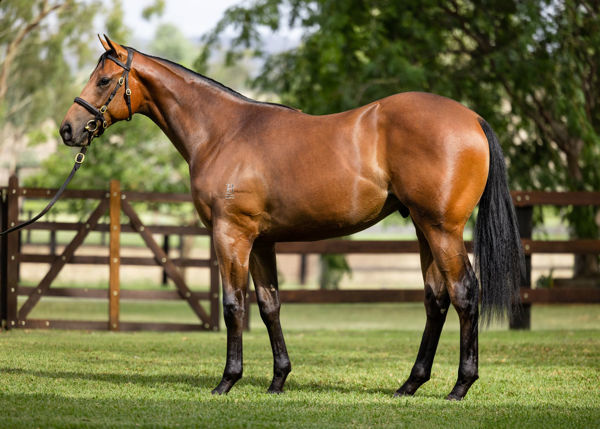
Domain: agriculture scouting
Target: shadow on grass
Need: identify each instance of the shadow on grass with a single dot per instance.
(196, 381)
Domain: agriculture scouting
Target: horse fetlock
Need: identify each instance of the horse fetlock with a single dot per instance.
(410, 386)
(233, 373)
(281, 368)
(420, 373)
(278, 381)
(462, 386)
(467, 377)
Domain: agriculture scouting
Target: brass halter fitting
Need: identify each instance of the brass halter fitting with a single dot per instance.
(95, 127)
(79, 158)
(92, 125)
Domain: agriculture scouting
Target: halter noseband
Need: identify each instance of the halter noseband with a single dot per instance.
(95, 127)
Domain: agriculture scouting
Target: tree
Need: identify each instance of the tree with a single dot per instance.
(39, 42)
(169, 42)
(529, 67)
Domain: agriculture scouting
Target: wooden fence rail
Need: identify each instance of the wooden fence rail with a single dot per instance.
(117, 201)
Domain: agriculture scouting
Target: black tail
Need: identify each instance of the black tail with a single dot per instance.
(499, 260)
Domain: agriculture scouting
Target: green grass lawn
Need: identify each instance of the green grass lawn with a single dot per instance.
(347, 362)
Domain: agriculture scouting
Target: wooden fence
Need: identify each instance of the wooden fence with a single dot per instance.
(114, 201)
(117, 201)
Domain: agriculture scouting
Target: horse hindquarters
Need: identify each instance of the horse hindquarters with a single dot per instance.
(498, 259)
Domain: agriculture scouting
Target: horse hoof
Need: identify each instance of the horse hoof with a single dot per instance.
(275, 391)
(453, 397)
(220, 390)
(398, 393)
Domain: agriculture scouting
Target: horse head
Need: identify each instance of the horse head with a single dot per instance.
(111, 95)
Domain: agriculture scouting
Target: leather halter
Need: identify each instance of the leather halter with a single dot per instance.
(95, 127)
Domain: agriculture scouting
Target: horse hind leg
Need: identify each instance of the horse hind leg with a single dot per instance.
(264, 273)
(436, 306)
(448, 250)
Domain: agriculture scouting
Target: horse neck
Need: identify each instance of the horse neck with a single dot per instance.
(191, 111)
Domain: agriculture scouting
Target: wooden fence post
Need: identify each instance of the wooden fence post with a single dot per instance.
(214, 288)
(166, 248)
(12, 257)
(522, 319)
(52, 243)
(3, 260)
(115, 255)
(303, 268)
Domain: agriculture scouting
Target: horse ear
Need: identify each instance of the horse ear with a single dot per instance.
(120, 50)
(104, 44)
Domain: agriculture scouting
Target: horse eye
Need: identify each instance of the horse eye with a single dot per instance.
(104, 81)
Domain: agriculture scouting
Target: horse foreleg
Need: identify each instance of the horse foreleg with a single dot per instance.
(233, 249)
(436, 306)
(264, 273)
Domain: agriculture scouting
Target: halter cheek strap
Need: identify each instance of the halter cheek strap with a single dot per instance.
(95, 127)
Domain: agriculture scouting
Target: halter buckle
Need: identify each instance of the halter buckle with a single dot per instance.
(79, 158)
(128, 91)
(104, 124)
(103, 108)
(121, 80)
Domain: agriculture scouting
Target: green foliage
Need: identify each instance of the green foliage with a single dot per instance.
(155, 9)
(333, 268)
(45, 47)
(169, 42)
(115, 21)
(545, 282)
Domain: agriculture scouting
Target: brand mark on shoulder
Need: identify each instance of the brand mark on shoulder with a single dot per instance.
(229, 192)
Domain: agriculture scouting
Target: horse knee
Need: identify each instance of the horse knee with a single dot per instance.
(233, 310)
(420, 372)
(269, 313)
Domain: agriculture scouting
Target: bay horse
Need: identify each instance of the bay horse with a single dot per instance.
(263, 173)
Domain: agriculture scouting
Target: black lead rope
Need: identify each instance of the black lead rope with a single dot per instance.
(95, 127)
(78, 161)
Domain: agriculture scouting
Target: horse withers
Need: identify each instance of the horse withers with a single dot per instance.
(262, 173)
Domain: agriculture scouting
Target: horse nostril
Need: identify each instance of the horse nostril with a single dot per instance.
(66, 132)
